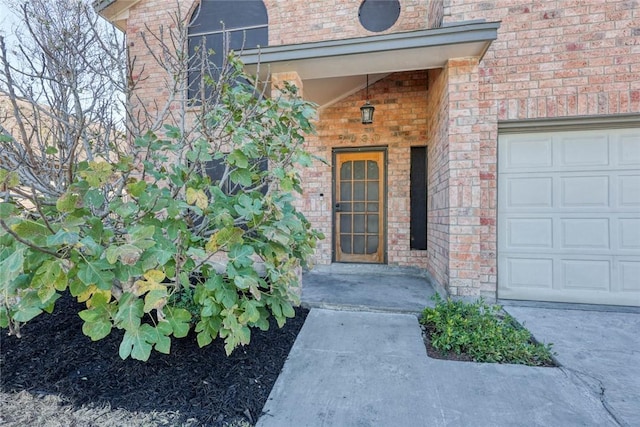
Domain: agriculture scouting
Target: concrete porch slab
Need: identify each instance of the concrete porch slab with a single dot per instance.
(369, 287)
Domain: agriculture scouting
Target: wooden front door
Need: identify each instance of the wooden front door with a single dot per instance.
(359, 206)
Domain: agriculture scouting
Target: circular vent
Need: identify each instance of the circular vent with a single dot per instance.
(379, 15)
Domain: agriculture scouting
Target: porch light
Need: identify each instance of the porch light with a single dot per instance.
(367, 109)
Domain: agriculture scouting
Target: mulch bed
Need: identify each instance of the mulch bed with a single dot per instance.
(55, 357)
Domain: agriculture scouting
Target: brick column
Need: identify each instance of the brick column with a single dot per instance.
(464, 178)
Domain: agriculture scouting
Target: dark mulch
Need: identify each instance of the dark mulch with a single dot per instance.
(55, 357)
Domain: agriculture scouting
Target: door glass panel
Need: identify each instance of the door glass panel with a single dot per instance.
(345, 207)
(372, 223)
(358, 169)
(372, 244)
(345, 223)
(372, 190)
(372, 170)
(345, 170)
(358, 207)
(358, 223)
(345, 190)
(358, 244)
(345, 243)
(358, 191)
(372, 207)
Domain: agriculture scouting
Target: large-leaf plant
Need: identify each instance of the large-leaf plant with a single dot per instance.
(153, 246)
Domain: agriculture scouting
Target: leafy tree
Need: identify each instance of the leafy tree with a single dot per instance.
(140, 232)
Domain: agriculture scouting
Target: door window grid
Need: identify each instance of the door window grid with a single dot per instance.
(359, 204)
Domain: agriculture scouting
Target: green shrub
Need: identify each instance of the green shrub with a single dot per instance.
(129, 234)
(483, 332)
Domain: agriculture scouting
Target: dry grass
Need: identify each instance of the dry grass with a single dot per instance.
(24, 409)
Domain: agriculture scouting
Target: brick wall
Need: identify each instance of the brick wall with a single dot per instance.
(438, 175)
(314, 20)
(399, 123)
(551, 59)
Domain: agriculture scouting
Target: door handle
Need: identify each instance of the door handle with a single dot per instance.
(338, 207)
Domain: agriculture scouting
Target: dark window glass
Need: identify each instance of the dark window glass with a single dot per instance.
(378, 15)
(418, 196)
(240, 24)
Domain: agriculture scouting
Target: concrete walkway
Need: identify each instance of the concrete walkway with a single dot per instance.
(361, 368)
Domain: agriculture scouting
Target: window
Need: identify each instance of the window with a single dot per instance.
(378, 15)
(240, 24)
(418, 196)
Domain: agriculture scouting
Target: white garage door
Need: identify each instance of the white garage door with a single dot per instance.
(569, 216)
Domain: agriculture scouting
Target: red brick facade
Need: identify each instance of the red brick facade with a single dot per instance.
(564, 58)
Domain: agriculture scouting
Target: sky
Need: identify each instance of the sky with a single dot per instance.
(7, 20)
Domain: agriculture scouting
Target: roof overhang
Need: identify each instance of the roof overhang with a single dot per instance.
(115, 11)
(336, 68)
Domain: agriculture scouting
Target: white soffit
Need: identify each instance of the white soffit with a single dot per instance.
(333, 69)
(415, 50)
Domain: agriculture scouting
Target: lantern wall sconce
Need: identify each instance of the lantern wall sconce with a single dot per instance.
(367, 109)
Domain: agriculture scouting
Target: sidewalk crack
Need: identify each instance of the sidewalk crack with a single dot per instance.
(578, 378)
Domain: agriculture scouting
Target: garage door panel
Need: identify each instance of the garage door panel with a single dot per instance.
(529, 273)
(529, 192)
(630, 276)
(629, 150)
(584, 191)
(569, 217)
(629, 235)
(584, 151)
(529, 153)
(629, 191)
(590, 274)
(527, 233)
(584, 233)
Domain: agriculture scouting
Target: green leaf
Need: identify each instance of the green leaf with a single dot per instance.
(26, 313)
(208, 329)
(97, 319)
(136, 343)
(97, 174)
(179, 319)
(227, 297)
(94, 198)
(224, 237)
(248, 207)
(142, 236)
(130, 311)
(238, 158)
(12, 266)
(250, 313)
(4, 317)
(32, 231)
(63, 238)
(68, 202)
(96, 273)
(241, 176)
(7, 210)
(125, 210)
(136, 188)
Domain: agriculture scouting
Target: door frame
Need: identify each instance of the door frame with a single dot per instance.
(385, 229)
